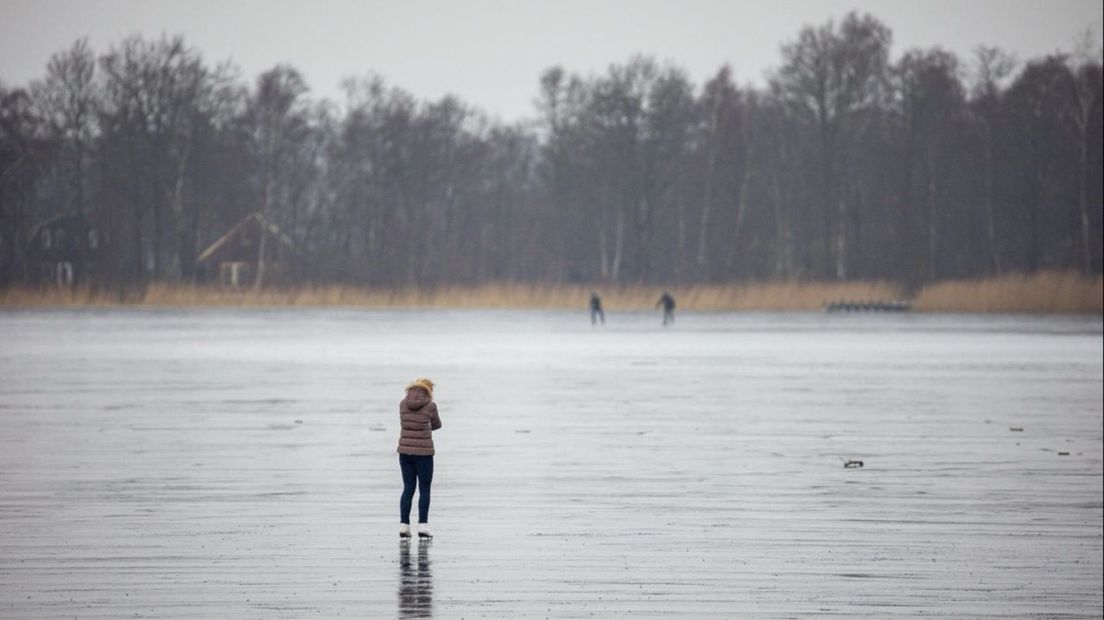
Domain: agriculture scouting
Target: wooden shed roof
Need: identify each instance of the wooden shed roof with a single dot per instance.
(230, 234)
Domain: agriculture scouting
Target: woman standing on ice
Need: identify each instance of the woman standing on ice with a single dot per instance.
(418, 419)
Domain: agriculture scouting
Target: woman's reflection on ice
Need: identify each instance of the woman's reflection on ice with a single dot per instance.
(415, 581)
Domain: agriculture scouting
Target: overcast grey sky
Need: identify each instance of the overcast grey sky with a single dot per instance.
(491, 52)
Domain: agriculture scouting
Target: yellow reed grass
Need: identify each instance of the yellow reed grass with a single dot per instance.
(1051, 292)
(1044, 292)
(767, 296)
(51, 297)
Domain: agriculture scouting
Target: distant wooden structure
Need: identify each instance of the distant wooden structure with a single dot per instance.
(66, 250)
(232, 259)
(868, 306)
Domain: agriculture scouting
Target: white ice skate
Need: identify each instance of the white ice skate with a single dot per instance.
(404, 530)
(423, 531)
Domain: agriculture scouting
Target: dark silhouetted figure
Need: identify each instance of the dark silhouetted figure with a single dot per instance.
(668, 304)
(596, 313)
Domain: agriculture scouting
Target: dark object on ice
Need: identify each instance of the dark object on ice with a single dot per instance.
(1016, 429)
(850, 463)
(668, 303)
(298, 421)
(1063, 454)
(596, 313)
(899, 305)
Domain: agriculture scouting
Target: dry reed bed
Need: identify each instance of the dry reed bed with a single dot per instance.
(1050, 292)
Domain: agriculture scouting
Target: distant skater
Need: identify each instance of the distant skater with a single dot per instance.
(668, 304)
(596, 313)
(418, 418)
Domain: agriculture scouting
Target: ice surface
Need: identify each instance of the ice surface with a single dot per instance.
(217, 464)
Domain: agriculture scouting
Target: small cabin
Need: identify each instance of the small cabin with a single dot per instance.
(232, 259)
(66, 250)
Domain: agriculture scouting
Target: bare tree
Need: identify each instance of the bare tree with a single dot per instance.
(67, 100)
(991, 67)
(1085, 69)
(932, 101)
(23, 154)
(161, 104)
(832, 73)
(278, 124)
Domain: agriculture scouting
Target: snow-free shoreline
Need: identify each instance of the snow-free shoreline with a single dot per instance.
(240, 463)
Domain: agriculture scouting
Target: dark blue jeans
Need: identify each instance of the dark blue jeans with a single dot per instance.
(417, 471)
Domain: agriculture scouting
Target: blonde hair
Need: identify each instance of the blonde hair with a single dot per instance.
(423, 383)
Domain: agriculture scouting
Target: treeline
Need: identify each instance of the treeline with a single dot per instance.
(847, 165)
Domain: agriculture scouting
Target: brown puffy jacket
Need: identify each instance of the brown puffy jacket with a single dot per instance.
(418, 419)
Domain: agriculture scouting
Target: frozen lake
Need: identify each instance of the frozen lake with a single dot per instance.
(240, 463)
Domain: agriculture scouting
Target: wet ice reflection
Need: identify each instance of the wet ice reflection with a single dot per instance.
(241, 464)
(415, 580)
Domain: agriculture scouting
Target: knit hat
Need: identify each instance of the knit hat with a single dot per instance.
(423, 383)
